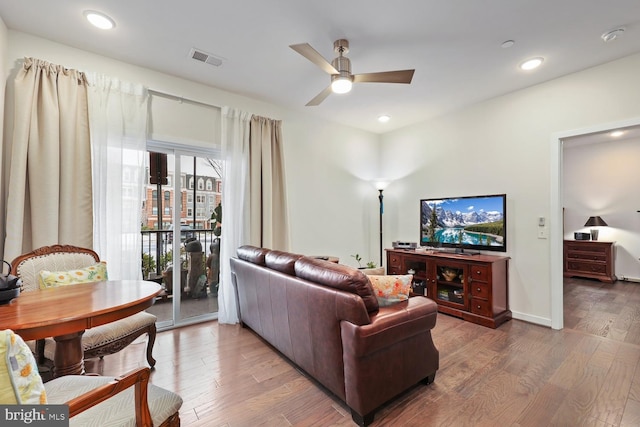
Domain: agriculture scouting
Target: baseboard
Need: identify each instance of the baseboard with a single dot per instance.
(531, 319)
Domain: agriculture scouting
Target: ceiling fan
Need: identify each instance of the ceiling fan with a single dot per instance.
(340, 70)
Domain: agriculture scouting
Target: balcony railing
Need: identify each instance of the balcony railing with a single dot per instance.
(157, 248)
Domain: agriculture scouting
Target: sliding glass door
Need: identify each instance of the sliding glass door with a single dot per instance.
(181, 231)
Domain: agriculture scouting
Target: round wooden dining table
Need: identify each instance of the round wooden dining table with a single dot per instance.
(66, 311)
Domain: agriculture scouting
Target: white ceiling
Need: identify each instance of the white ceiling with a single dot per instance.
(454, 46)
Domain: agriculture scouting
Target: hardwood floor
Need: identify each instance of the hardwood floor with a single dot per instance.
(517, 375)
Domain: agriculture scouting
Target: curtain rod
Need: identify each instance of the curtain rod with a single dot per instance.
(181, 99)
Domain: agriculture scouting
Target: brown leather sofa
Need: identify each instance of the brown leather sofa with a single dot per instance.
(325, 318)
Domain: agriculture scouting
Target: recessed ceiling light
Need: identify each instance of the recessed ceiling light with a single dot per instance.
(531, 64)
(617, 133)
(100, 20)
(384, 118)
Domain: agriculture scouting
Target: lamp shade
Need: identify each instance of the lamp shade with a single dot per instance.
(595, 221)
(381, 185)
(341, 84)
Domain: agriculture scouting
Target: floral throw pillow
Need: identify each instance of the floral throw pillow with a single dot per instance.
(20, 382)
(391, 289)
(53, 279)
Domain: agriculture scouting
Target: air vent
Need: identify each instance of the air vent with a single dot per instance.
(205, 57)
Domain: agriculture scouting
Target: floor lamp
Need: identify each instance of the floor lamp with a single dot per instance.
(380, 186)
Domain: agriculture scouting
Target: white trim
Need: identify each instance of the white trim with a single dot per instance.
(188, 150)
(556, 234)
(177, 98)
(542, 321)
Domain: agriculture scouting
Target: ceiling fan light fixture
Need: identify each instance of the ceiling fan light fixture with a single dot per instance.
(340, 70)
(341, 84)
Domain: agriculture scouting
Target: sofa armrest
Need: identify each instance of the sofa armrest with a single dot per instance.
(390, 325)
(138, 378)
(392, 353)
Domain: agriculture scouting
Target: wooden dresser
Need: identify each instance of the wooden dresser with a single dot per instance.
(589, 258)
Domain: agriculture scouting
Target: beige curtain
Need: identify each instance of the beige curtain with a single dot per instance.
(268, 216)
(49, 189)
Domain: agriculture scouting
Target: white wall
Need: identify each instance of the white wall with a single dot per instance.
(502, 146)
(326, 163)
(604, 179)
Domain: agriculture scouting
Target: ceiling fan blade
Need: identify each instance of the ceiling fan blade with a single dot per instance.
(400, 76)
(312, 55)
(319, 97)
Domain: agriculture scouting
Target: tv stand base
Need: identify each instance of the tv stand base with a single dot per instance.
(477, 292)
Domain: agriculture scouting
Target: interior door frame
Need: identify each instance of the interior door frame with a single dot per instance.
(556, 232)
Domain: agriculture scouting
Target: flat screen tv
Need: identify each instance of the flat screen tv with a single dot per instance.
(470, 222)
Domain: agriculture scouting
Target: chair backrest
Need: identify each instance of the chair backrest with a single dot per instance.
(52, 258)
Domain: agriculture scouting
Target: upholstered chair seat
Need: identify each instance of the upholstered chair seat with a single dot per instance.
(108, 337)
(117, 411)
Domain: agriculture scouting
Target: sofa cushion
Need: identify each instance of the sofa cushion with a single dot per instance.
(283, 262)
(252, 254)
(391, 289)
(338, 276)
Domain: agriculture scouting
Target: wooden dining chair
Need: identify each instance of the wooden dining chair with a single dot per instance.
(93, 401)
(98, 341)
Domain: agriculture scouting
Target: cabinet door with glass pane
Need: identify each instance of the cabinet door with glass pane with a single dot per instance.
(450, 283)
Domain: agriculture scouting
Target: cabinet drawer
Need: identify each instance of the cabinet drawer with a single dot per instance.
(479, 290)
(590, 248)
(591, 267)
(395, 261)
(481, 307)
(479, 272)
(587, 256)
(392, 269)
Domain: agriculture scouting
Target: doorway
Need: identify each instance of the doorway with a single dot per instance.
(556, 210)
(181, 234)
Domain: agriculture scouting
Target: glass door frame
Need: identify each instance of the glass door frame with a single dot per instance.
(177, 151)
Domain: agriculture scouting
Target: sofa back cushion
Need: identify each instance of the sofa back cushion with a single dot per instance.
(338, 276)
(252, 254)
(283, 262)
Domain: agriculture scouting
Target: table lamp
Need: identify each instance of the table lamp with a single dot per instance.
(595, 221)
